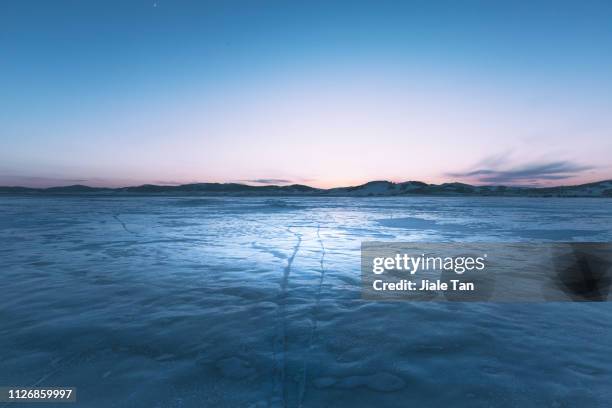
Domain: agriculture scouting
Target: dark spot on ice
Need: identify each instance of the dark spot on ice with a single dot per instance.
(583, 274)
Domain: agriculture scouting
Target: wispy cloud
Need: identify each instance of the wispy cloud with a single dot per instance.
(494, 160)
(532, 173)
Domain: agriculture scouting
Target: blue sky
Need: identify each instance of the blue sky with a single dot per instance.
(322, 93)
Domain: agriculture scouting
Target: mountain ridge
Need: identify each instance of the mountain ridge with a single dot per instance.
(377, 188)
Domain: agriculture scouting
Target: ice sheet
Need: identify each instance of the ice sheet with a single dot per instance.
(240, 302)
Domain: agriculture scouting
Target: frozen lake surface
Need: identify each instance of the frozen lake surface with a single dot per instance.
(255, 302)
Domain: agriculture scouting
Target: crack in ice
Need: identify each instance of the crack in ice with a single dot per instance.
(282, 335)
(313, 329)
(116, 216)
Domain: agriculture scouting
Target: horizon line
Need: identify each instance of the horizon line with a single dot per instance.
(300, 184)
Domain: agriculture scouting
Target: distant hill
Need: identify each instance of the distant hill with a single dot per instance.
(370, 189)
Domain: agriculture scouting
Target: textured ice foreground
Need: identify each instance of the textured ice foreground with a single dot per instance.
(255, 302)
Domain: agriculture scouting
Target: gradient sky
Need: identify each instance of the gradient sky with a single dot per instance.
(322, 93)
